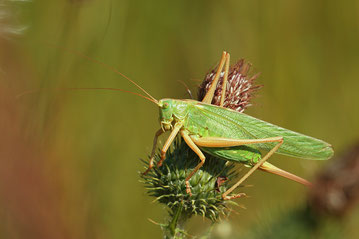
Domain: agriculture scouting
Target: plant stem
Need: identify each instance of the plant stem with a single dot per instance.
(174, 229)
(173, 224)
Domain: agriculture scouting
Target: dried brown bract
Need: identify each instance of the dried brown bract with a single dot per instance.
(240, 86)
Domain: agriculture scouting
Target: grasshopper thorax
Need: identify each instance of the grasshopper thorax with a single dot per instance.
(171, 111)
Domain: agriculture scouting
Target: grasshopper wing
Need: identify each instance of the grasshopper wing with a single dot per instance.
(232, 124)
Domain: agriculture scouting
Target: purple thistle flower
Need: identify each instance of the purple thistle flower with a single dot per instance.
(240, 86)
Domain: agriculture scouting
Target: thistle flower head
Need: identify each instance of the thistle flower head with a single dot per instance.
(240, 86)
(167, 183)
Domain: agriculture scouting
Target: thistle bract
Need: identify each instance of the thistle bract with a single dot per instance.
(167, 183)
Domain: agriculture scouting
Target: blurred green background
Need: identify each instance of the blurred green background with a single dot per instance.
(70, 159)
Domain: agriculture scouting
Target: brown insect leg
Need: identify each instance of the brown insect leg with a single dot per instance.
(168, 142)
(150, 165)
(209, 96)
(224, 142)
(225, 79)
(270, 168)
(275, 148)
(201, 156)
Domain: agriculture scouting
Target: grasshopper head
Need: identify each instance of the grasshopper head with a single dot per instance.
(166, 113)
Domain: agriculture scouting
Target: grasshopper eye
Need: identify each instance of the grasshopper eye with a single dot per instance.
(165, 105)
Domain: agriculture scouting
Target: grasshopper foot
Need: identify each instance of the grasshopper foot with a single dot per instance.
(233, 196)
(163, 156)
(159, 164)
(188, 188)
(150, 166)
(147, 170)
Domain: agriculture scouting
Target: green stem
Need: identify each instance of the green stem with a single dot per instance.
(173, 224)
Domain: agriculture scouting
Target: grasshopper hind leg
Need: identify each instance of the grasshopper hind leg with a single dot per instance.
(255, 167)
(225, 79)
(224, 142)
(210, 93)
(270, 168)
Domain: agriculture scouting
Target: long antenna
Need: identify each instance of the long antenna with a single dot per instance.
(115, 89)
(113, 69)
(89, 88)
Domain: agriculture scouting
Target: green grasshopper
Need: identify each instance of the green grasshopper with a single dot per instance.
(231, 135)
(225, 133)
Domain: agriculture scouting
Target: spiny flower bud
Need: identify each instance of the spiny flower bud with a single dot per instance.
(167, 183)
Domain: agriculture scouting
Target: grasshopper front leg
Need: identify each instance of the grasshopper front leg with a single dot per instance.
(169, 141)
(201, 156)
(188, 140)
(150, 164)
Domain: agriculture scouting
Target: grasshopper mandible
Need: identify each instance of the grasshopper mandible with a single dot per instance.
(231, 135)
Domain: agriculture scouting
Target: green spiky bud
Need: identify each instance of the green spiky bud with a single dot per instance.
(167, 183)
